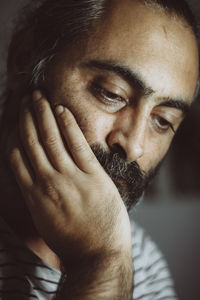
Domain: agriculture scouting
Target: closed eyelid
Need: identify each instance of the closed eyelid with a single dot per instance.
(106, 92)
(108, 101)
(112, 85)
(109, 88)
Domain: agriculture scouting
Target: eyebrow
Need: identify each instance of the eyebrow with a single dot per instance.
(128, 75)
(178, 104)
(135, 80)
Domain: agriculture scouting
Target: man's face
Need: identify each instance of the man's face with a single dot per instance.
(130, 84)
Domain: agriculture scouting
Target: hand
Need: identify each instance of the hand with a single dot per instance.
(74, 204)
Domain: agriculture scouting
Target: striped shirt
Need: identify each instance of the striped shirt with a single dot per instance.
(24, 276)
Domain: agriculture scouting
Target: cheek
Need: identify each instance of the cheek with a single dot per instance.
(155, 151)
(94, 122)
(94, 125)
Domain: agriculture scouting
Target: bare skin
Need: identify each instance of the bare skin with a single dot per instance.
(80, 208)
(59, 176)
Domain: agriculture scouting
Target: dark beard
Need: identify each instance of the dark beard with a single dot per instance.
(129, 179)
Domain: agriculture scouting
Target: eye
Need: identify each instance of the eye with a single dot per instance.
(106, 96)
(162, 124)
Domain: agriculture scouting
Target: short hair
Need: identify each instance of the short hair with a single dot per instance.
(57, 24)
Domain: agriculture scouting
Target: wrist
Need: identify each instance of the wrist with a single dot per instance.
(110, 273)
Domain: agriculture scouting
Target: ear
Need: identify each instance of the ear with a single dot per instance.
(19, 56)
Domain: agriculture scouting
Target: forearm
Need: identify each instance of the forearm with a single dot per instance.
(108, 278)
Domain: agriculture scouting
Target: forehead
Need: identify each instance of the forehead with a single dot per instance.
(160, 47)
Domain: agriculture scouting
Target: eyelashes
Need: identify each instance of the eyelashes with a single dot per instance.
(163, 124)
(115, 102)
(106, 96)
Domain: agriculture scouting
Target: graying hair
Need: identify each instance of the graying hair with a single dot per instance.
(57, 24)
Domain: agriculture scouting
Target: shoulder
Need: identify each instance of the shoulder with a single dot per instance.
(152, 278)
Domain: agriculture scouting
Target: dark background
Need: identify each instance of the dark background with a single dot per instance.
(170, 211)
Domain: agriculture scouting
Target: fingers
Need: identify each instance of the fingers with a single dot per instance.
(50, 134)
(43, 140)
(78, 145)
(31, 143)
(19, 163)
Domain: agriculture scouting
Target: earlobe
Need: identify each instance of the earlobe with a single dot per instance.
(19, 57)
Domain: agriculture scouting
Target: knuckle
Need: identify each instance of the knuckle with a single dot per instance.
(50, 140)
(78, 147)
(49, 189)
(40, 105)
(67, 119)
(30, 140)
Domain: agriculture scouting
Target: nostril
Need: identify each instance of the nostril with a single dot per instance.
(116, 148)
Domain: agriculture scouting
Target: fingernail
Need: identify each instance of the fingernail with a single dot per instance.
(37, 95)
(59, 109)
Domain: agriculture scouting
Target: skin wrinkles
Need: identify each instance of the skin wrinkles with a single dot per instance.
(160, 81)
(135, 80)
(129, 75)
(156, 76)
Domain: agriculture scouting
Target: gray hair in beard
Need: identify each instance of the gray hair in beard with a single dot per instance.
(128, 177)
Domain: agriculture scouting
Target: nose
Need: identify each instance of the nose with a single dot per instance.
(128, 136)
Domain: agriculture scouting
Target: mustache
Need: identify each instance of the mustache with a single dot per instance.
(130, 180)
(117, 167)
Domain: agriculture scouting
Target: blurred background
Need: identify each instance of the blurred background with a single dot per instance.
(170, 211)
